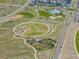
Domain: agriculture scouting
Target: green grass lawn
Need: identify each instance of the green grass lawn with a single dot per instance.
(77, 42)
(34, 29)
(27, 14)
(44, 14)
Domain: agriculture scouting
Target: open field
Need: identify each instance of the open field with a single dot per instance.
(18, 45)
(39, 29)
(14, 43)
(13, 48)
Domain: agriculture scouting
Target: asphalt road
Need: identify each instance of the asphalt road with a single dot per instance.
(63, 35)
(60, 44)
(61, 39)
(68, 50)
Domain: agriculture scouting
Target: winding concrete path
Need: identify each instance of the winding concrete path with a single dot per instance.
(35, 51)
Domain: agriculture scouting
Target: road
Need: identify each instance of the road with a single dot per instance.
(61, 40)
(6, 18)
(68, 50)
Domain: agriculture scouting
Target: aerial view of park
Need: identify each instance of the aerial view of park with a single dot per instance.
(39, 29)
